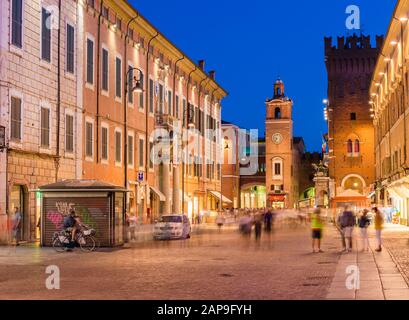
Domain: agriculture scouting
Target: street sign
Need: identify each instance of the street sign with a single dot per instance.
(141, 176)
(2, 137)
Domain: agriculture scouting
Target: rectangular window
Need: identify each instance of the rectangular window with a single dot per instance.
(17, 23)
(118, 23)
(69, 133)
(184, 115)
(15, 133)
(170, 97)
(70, 47)
(150, 155)
(141, 153)
(151, 94)
(177, 107)
(89, 139)
(45, 127)
(118, 146)
(130, 150)
(141, 94)
(105, 12)
(104, 143)
(118, 77)
(45, 35)
(105, 69)
(130, 84)
(277, 169)
(161, 99)
(90, 61)
(353, 116)
(91, 3)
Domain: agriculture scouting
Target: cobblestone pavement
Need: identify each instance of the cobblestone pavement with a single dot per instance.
(211, 265)
(396, 240)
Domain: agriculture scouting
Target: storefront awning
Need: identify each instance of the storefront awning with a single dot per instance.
(161, 196)
(218, 196)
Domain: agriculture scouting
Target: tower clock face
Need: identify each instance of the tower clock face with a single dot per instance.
(277, 138)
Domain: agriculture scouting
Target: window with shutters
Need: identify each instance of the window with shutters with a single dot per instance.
(161, 99)
(90, 61)
(105, 70)
(141, 153)
(15, 132)
(177, 107)
(105, 12)
(151, 153)
(69, 133)
(131, 153)
(89, 139)
(118, 77)
(170, 97)
(151, 95)
(184, 114)
(118, 147)
(45, 127)
(91, 3)
(17, 23)
(104, 143)
(45, 35)
(70, 48)
(130, 84)
(141, 94)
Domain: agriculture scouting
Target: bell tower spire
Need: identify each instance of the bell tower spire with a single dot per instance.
(279, 89)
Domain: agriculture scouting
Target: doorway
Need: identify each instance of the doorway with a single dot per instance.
(19, 199)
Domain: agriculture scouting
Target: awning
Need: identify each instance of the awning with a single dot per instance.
(218, 196)
(161, 196)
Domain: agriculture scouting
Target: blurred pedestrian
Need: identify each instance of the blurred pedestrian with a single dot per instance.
(127, 217)
(346, 223)
(379, 221)
(258, 226)
(133, 221)
(268, 221)
(16, 227)
(317, 229)
(363, 224)
(220, 221)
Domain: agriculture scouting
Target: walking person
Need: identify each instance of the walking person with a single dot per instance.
(268, 221)
(257, 227)
(317, 229)
(16, 228)
(346, 223)
(363, 224)
(379, 221)
(133, 221)
(220, 221)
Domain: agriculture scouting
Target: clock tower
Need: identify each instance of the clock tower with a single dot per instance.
(281, 183)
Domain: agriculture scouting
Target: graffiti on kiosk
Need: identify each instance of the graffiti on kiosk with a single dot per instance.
(63, 209)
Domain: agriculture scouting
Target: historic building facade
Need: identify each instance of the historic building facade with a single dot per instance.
(283, 152)
(389, 105)
(84, 89)
(350, 65)
(40, 104)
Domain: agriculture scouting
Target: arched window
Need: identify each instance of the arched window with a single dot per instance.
(357, 147)
(349, 147)
(277, 113)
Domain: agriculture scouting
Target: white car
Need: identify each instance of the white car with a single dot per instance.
(171, 227)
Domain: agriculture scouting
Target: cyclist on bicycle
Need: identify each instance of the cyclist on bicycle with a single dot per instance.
(72, 224)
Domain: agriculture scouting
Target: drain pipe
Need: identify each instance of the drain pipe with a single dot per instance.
(57, 157)
(147, 112)
(98, 79)
(187, 124)
(126, 84)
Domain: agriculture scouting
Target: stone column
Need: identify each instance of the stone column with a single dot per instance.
(321, 186)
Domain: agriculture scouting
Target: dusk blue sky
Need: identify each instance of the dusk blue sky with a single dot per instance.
(251, 43)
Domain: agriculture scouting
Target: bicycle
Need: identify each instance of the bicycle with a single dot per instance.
(84, 238)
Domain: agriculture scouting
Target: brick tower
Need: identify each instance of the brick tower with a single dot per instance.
(282, 191)
(350, 65)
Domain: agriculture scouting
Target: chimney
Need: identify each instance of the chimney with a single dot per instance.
(202, 64)
(212, 75)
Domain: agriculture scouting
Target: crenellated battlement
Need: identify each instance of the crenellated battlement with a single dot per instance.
(352, 43)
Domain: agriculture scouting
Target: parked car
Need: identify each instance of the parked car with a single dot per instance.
(171, 227)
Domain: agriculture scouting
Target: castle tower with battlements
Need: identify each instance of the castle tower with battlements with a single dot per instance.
(350, 64)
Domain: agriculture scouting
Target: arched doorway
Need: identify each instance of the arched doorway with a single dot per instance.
(354, 182)
(253, 196)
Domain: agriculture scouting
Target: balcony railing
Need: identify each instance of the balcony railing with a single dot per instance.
(163, 121)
